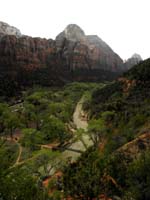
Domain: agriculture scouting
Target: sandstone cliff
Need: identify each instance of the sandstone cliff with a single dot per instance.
(73, 56)
(87, 52)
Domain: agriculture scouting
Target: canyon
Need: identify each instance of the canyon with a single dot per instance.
(72, 56)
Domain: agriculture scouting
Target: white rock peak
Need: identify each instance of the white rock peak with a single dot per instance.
(6, 29)
(74, 32)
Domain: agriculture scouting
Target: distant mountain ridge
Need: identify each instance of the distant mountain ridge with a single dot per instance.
(72, 56)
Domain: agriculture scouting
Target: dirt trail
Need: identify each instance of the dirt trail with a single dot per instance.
(17, 162)
(19, 155)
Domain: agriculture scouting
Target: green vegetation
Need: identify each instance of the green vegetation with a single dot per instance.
(82, 179)
(27, 130)
(31, 138)
(115, 166)
(20, 185)
(97, 131)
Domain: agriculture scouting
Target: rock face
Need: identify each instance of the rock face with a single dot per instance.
(134, 60)
(26, 61)
(6, 29)
(86, 52)
(73, 56)
(72, 32)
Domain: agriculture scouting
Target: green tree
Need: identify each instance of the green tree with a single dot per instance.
(60, 110)
(8, 156)
(32, 113)
(31, 138)
(20, 185)
(28, 113)
(79, 135)
(107, 116)
(54, 129)
(138, 178)
(97, 130)
(83, 179)
(12, 122)
(4, 110)
(34, 108)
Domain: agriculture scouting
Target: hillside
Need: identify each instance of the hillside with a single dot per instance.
(119, 125)
(129, 91)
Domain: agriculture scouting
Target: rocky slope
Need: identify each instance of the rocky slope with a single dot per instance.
(73, 56)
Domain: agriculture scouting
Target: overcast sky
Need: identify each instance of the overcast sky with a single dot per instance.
(122, 24)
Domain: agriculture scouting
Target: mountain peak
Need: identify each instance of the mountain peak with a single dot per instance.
(73, 28)
(6, 29)
(72, 32)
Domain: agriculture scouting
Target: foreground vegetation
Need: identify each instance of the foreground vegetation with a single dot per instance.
(29, 129)
(116, 166)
